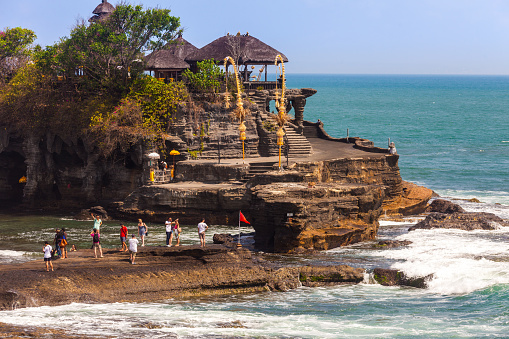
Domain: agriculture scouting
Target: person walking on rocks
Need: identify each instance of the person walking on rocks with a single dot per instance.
(123, 237)
(96, 242)
(202, 227)
(97, 221)
(133, 248)
(142, 231)
(47, 256)
(169, 235)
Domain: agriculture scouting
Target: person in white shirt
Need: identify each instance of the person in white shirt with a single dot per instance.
(169, 235)
(47, 255)
(202, 227)
(133, 248)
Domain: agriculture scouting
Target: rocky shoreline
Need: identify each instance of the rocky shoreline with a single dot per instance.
(160, 273)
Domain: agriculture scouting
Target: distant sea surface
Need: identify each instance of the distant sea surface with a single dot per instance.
(452, 132)
(452, 135)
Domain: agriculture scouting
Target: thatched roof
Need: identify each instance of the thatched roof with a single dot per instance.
(102, 11)
(181, 48)
(103, 8)
(164, 59)
(251, 50)
(172, 56)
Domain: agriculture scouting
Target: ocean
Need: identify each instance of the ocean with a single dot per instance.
(452, 135)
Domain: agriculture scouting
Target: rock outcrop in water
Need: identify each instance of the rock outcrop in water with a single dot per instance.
(463, 221)
(330, 194)
(444, 206)
(389, 277)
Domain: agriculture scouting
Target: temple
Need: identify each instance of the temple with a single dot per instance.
(102, 11)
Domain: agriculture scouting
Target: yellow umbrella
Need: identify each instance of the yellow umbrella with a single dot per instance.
(174, 153)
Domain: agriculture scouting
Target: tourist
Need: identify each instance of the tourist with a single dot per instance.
(392, 148)
(56, 242)
(97, 221)
(176, 231)
(63, 243)
(73, 248)
(133, 248)
(169, 235)
(123, 237)
(202, 227)
(142, 231)
(47, 256)
(96, 242)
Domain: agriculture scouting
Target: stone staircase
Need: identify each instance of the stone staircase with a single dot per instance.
(258, 168)
(299, 144)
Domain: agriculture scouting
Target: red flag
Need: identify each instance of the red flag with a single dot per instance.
(243, 218)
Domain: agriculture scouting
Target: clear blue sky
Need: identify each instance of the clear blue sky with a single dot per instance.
(323, 36)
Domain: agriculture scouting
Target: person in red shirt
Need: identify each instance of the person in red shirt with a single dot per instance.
(123, 236)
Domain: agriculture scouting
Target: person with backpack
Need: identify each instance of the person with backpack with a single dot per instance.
(63, 243)
(96, 242)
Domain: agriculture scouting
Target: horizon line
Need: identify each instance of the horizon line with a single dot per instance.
(400, 74)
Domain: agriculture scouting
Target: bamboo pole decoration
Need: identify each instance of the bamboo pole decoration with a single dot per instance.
(282, 116)
(239, 112)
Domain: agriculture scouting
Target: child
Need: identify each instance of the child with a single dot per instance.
(47, 256)
(133, 248)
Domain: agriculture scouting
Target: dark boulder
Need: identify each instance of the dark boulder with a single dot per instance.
(388, 277)
(314, 276)
(392, 243)
(85, 213)
(462, 221)
(223, 238)
(444, 206)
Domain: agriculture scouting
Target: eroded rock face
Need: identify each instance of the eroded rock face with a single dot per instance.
(293, 215)
(463, 221)
(411, 200)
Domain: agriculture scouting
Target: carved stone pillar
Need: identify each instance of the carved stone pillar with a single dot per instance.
(298, 105)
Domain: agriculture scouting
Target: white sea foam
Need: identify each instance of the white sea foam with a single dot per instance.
(184, 320)
(497, 201)
(460, 261)
(9, 257)
(407, 221)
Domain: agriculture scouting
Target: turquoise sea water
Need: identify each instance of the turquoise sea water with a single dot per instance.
(452, 135)
(452, 132)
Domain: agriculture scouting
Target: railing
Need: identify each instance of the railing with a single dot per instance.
(162, 176)
(251, 85)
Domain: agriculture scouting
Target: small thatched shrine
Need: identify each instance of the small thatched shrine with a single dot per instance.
(168, 63)
(102, 11)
